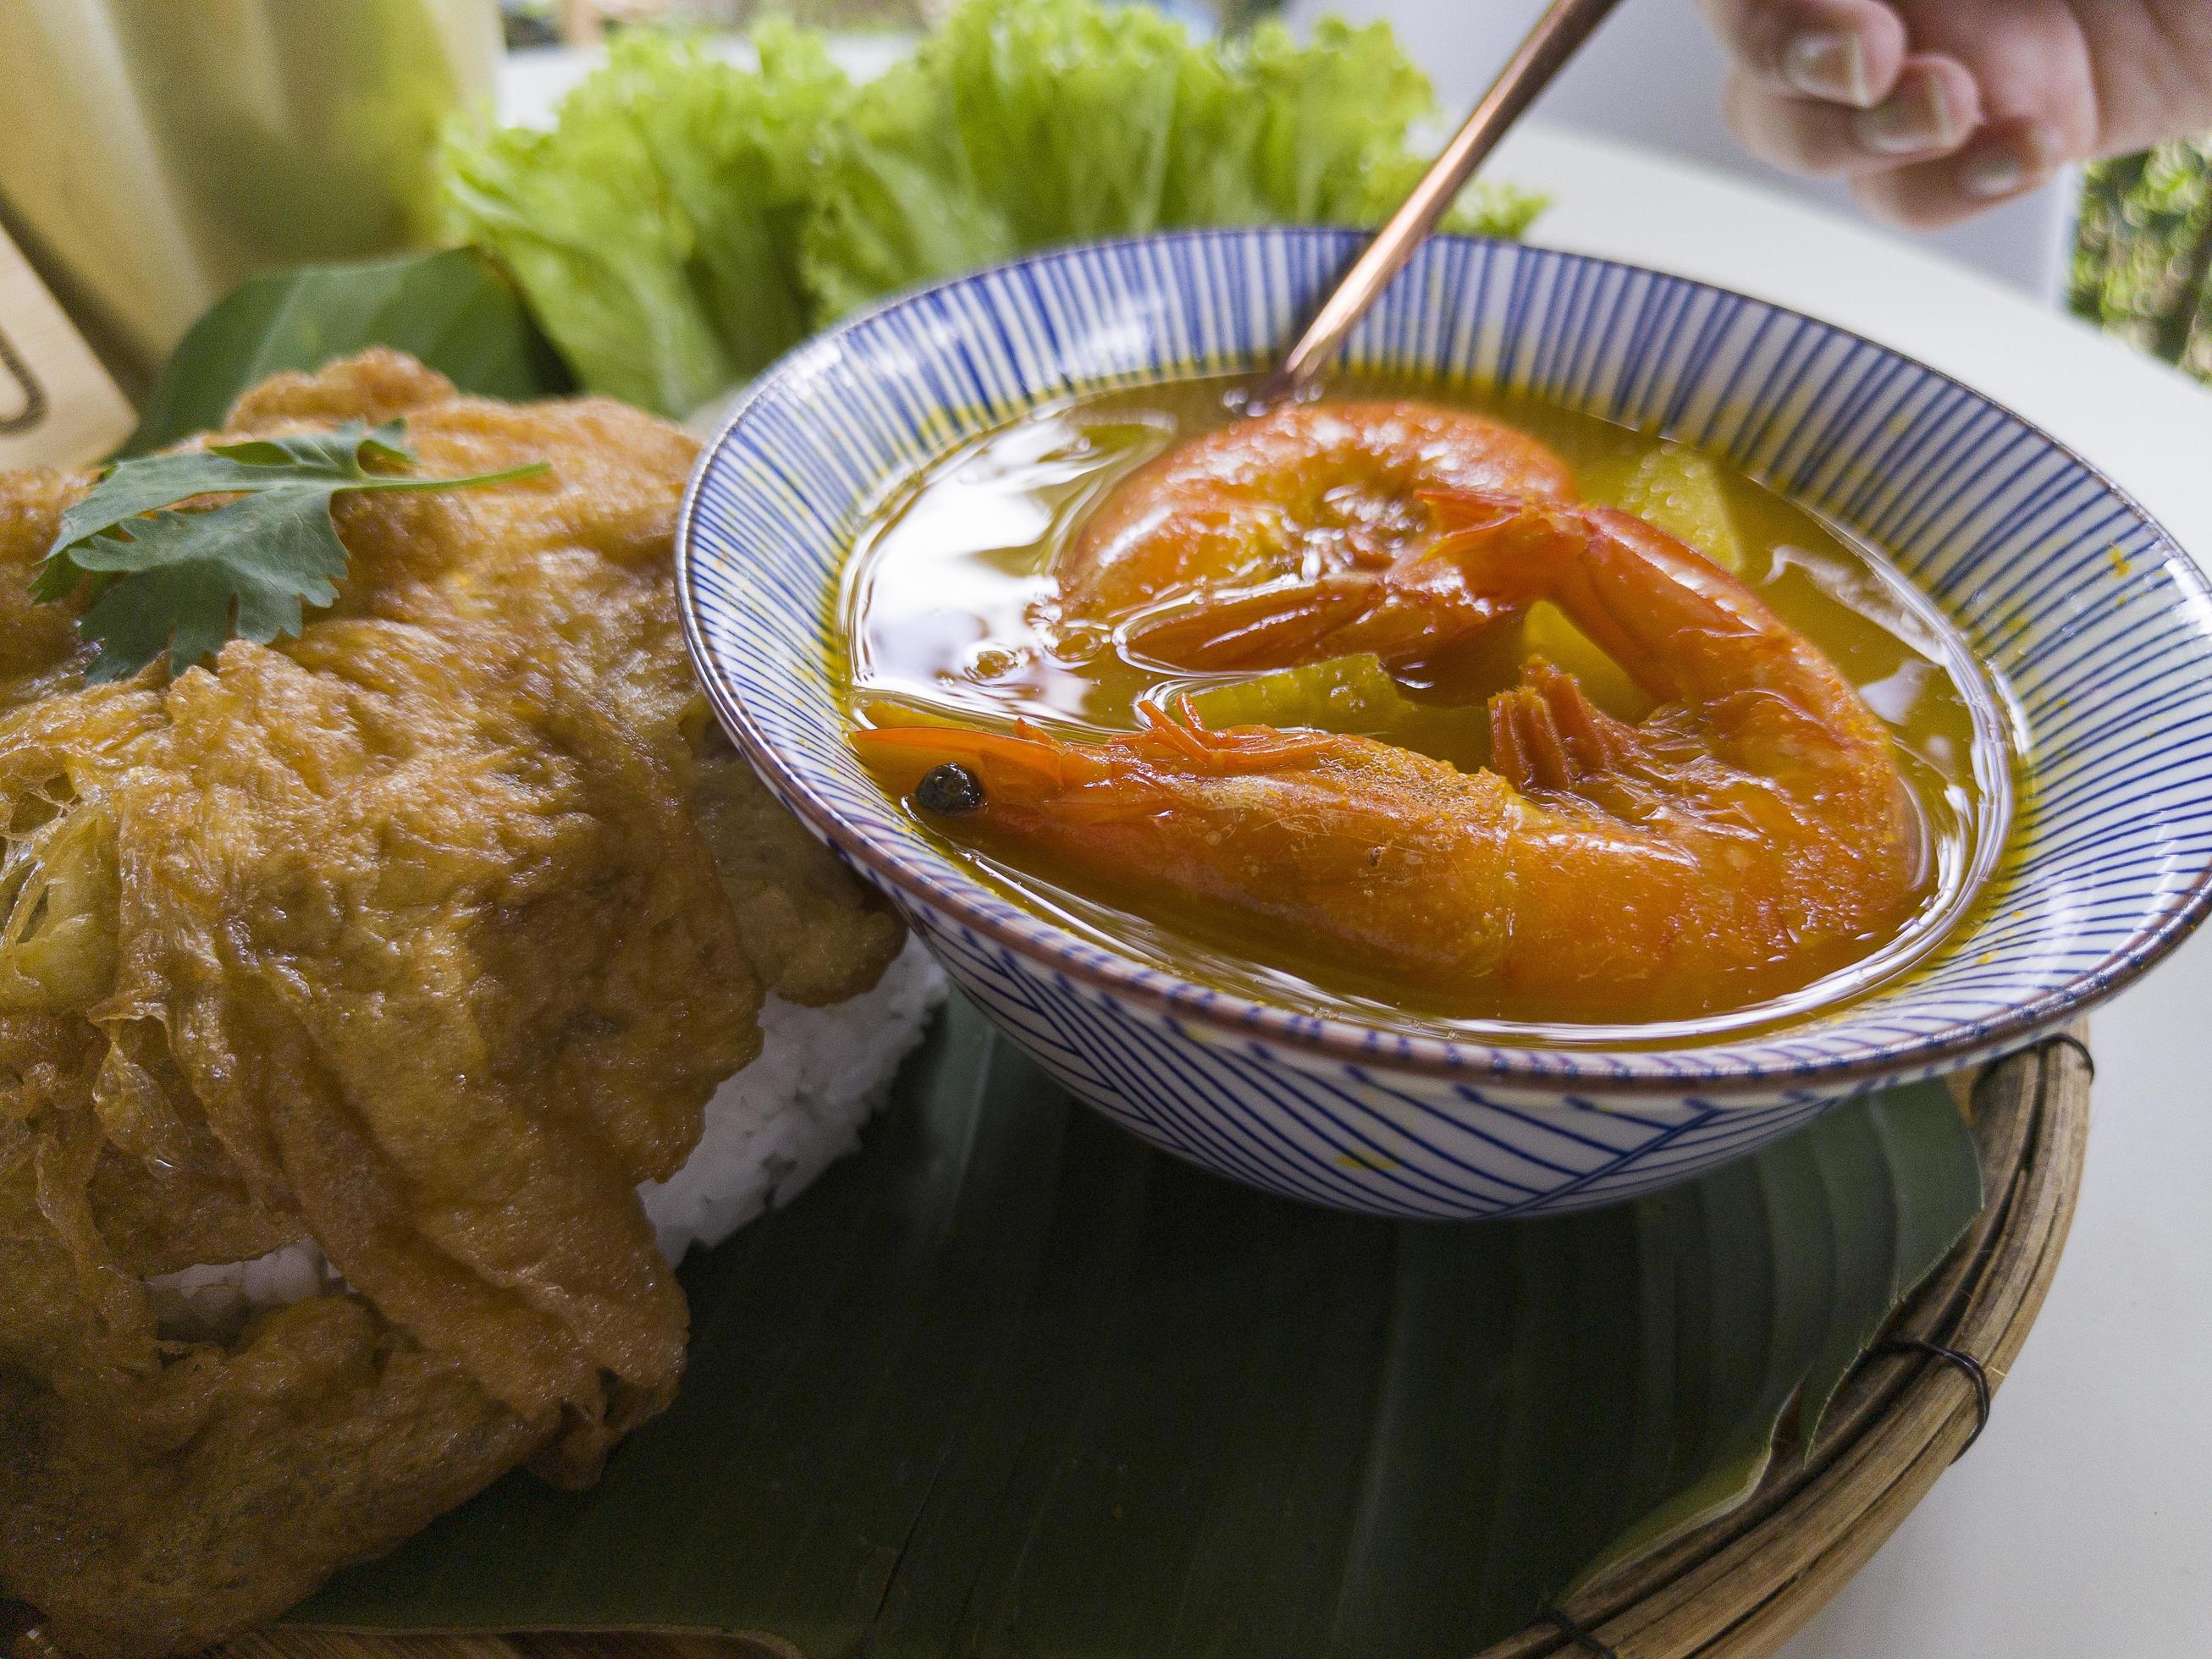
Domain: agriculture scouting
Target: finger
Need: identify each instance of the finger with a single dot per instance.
(1938, 103)
(1840, 52)
(1796, 133)
(2042, 59)
(2005, 160)
(1933, 109)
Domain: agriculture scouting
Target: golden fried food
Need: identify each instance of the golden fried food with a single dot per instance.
(805, 920)
(423, 937)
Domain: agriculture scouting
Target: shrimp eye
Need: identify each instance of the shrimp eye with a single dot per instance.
(949, 791)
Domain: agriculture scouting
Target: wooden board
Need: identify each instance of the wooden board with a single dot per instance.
(1737, 1588)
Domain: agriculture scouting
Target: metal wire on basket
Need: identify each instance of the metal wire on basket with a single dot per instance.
(1577, 1632)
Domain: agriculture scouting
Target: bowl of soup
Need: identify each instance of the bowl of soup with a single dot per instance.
(1613, 720)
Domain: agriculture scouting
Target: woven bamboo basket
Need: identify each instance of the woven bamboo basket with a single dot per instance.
(1736, 1588)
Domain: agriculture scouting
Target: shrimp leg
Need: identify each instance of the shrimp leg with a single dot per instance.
(1787, 728)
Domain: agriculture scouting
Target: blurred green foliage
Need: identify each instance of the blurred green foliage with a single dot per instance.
(2143, 265)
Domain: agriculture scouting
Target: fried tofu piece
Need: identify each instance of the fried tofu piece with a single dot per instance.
(225, 1486)
(425, 937)
(38, 642)
(813, 933)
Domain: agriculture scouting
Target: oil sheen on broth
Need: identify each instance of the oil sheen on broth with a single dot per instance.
(947, 613)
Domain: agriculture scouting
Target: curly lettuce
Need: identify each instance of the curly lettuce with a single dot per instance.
(687, 219)
(655, 228)
(1025, 122)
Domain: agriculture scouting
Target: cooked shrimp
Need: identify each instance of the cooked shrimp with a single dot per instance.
(1413, 609)
(1751, 835)
(1308, 491)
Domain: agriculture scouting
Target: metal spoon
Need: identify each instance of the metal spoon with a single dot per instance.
(1564, 27)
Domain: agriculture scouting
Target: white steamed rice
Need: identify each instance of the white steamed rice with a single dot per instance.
(769, 1131)
(787, 1117)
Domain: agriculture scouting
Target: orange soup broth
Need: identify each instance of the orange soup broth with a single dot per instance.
(946, 615)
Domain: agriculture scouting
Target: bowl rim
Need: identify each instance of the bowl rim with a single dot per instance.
(1544, 1069)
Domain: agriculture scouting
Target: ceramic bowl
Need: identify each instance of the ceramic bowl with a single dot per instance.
(2098, 627)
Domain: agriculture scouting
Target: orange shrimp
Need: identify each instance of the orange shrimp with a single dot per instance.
(1308, 491)
(1749, 836)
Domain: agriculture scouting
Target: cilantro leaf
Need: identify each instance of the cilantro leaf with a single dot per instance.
(183, 583)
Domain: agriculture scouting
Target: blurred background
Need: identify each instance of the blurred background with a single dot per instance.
(157, 151)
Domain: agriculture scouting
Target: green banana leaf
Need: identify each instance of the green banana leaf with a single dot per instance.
(451, 309)
(1005, 1382)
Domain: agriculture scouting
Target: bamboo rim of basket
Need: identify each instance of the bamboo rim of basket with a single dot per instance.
(1736, 1588)
(1741, 1587)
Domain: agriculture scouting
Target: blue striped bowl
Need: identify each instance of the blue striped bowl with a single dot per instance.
(2099, 626)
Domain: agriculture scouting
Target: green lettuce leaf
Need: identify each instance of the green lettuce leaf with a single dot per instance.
(898, 203)
(688, 219)
(655, 226)
(1025, 122)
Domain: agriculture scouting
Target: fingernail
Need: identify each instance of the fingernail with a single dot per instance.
(1992, 174)
(1828, 63)
(2008, 169)
(1917, 117)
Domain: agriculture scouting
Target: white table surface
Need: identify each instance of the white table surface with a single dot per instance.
(2078, 1528)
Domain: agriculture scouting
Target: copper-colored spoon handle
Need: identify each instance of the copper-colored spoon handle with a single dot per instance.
(1564, 27)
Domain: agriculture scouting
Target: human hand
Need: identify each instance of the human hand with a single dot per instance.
(1936, 109)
